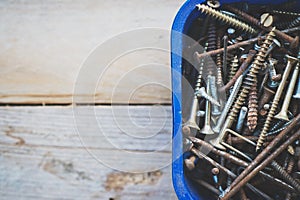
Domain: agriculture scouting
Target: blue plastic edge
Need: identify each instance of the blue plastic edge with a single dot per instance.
(180, 22)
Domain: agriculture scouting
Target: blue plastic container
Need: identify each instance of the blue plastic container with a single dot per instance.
(184, 18)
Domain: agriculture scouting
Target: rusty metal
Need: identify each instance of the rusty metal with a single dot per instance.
(198, 55)
(252, 116)
(233, 67)
(227, 171)
(248, 83)
(265, 97)
(271, 113)
(284, 174)
(237, 140)
(265, 152)
(293, 41)
(240, 71)
(235, 188)
(235, 145)
(228, 105)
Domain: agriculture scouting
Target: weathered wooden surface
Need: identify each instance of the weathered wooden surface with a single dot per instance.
(42, 156)
(44, 43)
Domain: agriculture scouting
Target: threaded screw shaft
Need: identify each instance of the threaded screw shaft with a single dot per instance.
(252, 107)
(251, 76)
(275, 103)
(285, 175)
(225, 18)
(233, 67)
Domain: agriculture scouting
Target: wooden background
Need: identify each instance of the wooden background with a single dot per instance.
(43, 46)
(44, 43)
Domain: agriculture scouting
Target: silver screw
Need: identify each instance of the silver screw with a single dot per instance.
(202, 93)
(241, 119)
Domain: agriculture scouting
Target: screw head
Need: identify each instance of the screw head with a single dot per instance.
(186, 130)
(190, 163)
(213, 3)
(215, 171)
(266, 19)
(267, 106)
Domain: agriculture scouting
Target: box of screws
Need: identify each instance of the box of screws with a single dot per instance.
(240, 101)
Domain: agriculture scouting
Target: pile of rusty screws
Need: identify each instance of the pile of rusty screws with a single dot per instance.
(242, 128)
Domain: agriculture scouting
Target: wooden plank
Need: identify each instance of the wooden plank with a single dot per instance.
(44, 44)
(42, 156)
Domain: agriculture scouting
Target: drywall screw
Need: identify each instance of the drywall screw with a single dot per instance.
(266, 20)
(291, 165)
(297, 95)
(272, 73)
(271, 113)
(190, 162)
(212, 44)
(234, 188)
(240, 71)
(242, 116)
(225, 18)
(285, 13)
(225, 41)
(265, 152)
(228, 104)
(249, 81)
(202, 93)
(191, 122)
(289, 170)
(252, 107)
(276, 43)
(285, 175)
(294, 23)
(219, 64)
(227, 171)
(293, 41)
(199, 56)
(233, 67)
(285, 105)
(214, 94)
(207, 125)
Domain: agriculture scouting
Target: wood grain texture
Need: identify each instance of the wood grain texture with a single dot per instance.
(45, 43)
(42, 156)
